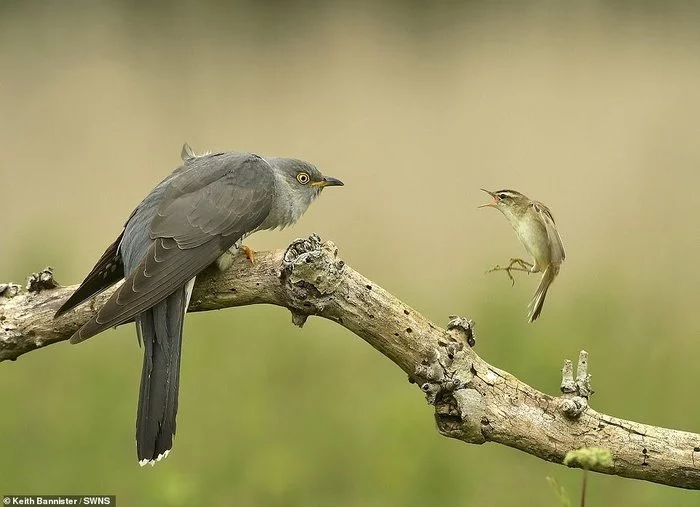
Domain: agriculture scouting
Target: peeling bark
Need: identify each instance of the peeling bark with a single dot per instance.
(474, 401)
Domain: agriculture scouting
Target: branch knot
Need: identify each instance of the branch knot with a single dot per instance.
(311, 273)
(463, 327)
(42, 280)
(445, 377)
(9, 290)
(575, 392)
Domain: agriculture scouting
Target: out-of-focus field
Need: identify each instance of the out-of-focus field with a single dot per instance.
(593, 110)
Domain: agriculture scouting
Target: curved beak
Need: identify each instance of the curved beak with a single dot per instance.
(328, 181)
(490, 204)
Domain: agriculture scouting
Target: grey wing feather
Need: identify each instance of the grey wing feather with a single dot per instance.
(222, 202)
(107, 271)
(200, 214)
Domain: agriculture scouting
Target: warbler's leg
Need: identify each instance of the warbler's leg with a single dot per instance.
(513, 265)
(524, 265)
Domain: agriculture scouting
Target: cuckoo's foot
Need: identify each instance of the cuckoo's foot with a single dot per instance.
(513, 265)
(224, 262)
(249, 253)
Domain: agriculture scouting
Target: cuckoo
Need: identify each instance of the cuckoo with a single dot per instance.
(205, 208)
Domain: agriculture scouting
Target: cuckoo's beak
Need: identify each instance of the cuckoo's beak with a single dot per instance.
(328, 181)
(490, 204)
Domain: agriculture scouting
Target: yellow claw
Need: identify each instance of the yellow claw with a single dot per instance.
(249, 253)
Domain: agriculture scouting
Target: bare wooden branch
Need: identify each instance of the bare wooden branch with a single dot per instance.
(474, 401)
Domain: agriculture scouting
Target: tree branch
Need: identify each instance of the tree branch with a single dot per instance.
(474, 401)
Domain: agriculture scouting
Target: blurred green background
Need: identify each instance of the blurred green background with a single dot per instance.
(590, 107)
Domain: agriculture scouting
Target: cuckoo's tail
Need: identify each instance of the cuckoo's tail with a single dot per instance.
(160, 329)
(541, 292)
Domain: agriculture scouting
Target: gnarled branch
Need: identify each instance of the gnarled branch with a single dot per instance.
(474, 401)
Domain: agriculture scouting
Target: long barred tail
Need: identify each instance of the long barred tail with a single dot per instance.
(160, 329)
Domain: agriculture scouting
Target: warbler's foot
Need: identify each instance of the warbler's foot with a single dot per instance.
(249, 253)
(513, 265)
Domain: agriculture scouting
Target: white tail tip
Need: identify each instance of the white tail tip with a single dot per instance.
(153, 462)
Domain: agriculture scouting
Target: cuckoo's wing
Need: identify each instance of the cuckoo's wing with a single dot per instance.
(107, 271)
(203, 213)
(558, 254)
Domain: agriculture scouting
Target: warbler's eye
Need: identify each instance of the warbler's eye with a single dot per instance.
(303, 178)
(503, 195)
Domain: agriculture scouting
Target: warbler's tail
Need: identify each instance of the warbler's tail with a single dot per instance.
(541, 292)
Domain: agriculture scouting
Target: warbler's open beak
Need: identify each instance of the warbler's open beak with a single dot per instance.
(328, 181)
(490, 204)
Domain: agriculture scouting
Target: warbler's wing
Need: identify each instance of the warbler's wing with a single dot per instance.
(204, 211)
(558, 254)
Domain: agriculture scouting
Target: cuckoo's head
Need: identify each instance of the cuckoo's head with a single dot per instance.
(303, 177)
(300, 184)
(303, 180)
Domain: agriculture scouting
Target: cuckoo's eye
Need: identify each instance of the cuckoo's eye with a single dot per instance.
(303, 178)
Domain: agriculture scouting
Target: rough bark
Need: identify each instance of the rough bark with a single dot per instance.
(474, 401)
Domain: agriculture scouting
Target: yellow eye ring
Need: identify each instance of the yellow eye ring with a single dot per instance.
(303, 178)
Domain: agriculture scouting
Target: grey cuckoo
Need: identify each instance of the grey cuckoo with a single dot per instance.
(189, 221)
